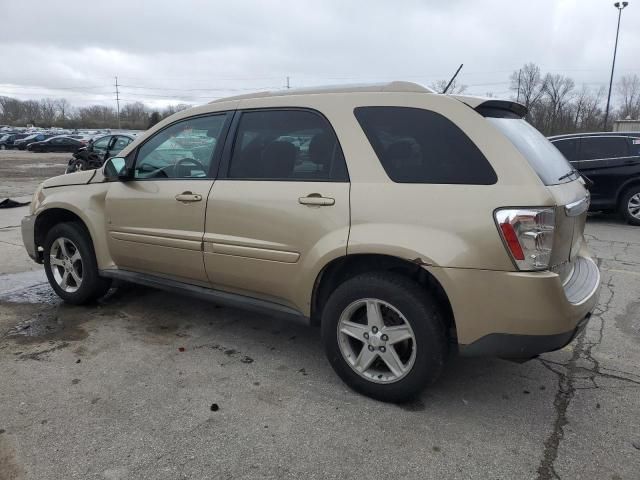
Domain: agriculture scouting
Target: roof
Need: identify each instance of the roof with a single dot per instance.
(396, 86)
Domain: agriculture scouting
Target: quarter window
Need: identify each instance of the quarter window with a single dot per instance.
(183, 150)
(421, 146)
(567, 148)
(593, 148)
(294, 145)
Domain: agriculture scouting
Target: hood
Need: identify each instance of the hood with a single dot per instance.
(77, 178)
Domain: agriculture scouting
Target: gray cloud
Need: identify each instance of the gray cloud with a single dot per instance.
(194, 51)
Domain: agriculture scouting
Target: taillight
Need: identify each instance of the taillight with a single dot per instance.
(528, 235)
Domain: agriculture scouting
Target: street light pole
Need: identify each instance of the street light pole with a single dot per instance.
(620, 6)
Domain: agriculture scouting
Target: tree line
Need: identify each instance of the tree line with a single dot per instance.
(59, 112)
(554, 102)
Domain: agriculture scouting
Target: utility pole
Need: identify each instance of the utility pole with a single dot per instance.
(620, 6)
(519, 74)
(118, 102)
(288, 86)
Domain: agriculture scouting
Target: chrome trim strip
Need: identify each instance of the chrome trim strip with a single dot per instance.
(578, 207)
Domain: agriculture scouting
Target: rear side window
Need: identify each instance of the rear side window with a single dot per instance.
(286, 145)
(635, 146)
(568, 148)
(421, 146)
(593, 148)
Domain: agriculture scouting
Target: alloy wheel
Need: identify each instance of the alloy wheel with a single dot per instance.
(634, 206)
(376, 340)
(66, 264)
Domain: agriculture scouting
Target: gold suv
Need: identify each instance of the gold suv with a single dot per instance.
(404, 223)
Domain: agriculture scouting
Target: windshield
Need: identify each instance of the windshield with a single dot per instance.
(544, 158)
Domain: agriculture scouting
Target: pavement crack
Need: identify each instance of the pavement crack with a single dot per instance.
(583, 350)
(564, 395)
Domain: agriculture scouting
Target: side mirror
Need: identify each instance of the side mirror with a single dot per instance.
(116, 169)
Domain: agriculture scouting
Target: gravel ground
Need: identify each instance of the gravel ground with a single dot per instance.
(147, 384)
(21, 171)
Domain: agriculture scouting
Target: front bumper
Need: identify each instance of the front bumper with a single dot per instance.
(29, 238)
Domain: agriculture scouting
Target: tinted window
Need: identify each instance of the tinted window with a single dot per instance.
(635, 146)
(420, 146)
(567, 148)
(294, 145)
(544, 158)
(592, 148)
(183, 150)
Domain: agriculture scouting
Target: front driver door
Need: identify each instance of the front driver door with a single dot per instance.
(155, 221)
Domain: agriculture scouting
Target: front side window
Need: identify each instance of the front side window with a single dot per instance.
(594, 148)
(183, 150)
(100, 145)
(119, 144)
(294, 145)
(421, 146)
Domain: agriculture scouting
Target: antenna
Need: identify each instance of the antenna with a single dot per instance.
(452, 78)
(118, 101)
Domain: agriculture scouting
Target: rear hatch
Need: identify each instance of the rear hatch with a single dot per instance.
(562, 180)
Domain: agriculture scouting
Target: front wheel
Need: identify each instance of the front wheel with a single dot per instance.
(70, 265)
(384, 336)
(630, 205)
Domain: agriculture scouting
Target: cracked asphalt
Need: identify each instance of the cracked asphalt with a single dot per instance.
(147, 384)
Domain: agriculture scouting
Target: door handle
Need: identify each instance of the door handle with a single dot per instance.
(315, 199)
(188, 197)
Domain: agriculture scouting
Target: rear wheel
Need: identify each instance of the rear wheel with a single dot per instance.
(70, 265)
(384, 336)
(630, 205)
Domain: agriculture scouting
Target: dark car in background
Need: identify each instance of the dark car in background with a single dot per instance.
(35, 137)
(8, 139)
(610, 162)
(98, 151)
(61, 143)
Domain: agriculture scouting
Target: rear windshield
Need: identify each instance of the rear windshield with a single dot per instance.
(544, 158)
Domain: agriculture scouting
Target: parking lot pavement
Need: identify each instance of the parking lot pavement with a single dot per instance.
(21, 171)
(152, 385)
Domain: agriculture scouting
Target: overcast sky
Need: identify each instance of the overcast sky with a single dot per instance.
(194, 51)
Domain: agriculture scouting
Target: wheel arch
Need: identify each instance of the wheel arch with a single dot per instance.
(341, 269)
(632, 182)
(51, 217)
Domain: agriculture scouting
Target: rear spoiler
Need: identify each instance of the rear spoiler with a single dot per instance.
(489, 107)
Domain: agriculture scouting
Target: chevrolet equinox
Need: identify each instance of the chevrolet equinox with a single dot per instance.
(405, 224)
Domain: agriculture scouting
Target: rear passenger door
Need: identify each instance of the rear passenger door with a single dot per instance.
(279, 205)
(607, 161)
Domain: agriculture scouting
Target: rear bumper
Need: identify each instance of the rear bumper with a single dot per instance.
(506, 345)
(28, 237)
(519, 314)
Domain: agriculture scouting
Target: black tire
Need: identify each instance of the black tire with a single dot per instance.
(92, 286)
(77, 166)
(624, 205)
(420, 310)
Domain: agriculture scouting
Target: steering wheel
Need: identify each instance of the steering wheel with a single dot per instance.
(184, 161)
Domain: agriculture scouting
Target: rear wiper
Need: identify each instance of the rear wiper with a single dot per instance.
(568, 174)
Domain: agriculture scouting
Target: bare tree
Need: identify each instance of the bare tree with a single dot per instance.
(528, 85)
(455, 88)
(628, 90)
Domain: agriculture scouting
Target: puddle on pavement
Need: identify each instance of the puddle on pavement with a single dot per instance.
(27, 287)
